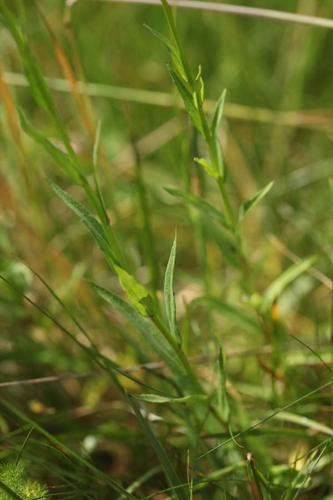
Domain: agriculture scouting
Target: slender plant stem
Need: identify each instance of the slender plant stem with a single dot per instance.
(240, 10)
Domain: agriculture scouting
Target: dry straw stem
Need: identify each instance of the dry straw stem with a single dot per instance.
(13, 124)
(239, 10)
(154, 365)
(317, 119)
(72, 81)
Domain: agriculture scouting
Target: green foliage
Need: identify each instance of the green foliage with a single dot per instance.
(14, 483)
(275, 289)
(169, 295)
(149, 332)
(200, 371)
(202, 205)
(248, 205)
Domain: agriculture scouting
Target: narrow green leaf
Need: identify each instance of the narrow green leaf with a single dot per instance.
(171, 23)
(277, 286)
(234, 314)
(248, 205)
(136, 292)
(219, 157)
(33, 71)
(208, 167)
(75, 456)
(169, 298)
(95, 166)
(147, 329)
(60, 158)
(303, 478)
(215, 124)
(199, 203)
(89, 220)
(188, 100)
(171, 475)
(199, 79)
(223, 402)
(154, 398)
(218, 113)
(254, 480)
(173, 50)
(170, 46)
(303, 421)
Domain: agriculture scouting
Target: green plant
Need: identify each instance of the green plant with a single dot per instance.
(193, 340)
(15, 484)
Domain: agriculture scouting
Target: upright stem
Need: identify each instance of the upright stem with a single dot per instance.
(229, 215)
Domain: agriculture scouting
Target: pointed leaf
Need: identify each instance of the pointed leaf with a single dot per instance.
(208, 167)
(187, 99)
(218, 114)
(147, 329)
(277, 286)
(170, 46)
(173, 49)
(136, 292)
(248, 205)
(199, 203)
(201, 84)
(171, 475)
(89, 220)
(169, 298)
(235, 315)
(154, 398)
(61, 158)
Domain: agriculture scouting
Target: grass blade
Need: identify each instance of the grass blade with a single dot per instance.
(169, 297)
(149, 332)
(248, 205)
(234, 314)
(277, 286)
(218, 113)
(200, 204)
(154, 398)
(168, 468)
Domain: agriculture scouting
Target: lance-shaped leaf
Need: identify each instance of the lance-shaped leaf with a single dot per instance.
(201, 83)
(218, 113)
(151, 335)
(208, 167)
(89, 220)
(173, 50)
(188, 101)
(248, 205)
(156, 399)
(277, 286)
(169, 297)
(30, 66)
(199, 203)
(60, 158)
(32, 69)
(136, 292)
(232, 313)
(215, 125)
(168, 468)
